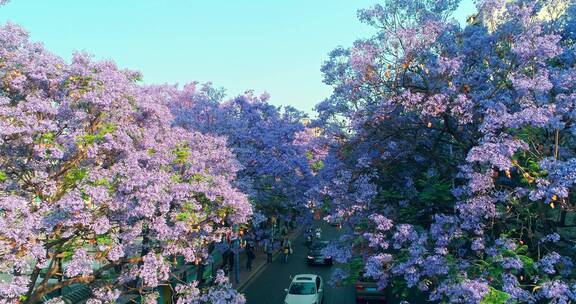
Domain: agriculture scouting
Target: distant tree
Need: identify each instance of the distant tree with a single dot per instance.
(275, 170)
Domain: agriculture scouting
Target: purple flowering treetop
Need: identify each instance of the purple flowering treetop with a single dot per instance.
(452, 156)
(269, 142)
(96, 185)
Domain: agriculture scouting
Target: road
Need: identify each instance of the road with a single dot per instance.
(268, 287)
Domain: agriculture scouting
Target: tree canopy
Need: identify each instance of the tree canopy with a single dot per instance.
(453, 151)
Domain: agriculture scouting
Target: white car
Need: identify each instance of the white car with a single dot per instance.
(305, 289)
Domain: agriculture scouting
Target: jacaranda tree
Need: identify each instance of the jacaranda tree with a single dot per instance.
(275, 169)
(453, 156)
(96, 184)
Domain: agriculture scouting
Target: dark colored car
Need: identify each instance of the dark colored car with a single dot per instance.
(315, 255)
(367, 291)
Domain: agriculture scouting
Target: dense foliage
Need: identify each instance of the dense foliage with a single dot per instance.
(96, 185)
(453, 156)
(272, 144)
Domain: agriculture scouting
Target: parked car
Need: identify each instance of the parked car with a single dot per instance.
(367, 291)
(305, 289)
(315, 255)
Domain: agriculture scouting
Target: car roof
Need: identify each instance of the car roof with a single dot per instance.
(304, 277)
(321, 242)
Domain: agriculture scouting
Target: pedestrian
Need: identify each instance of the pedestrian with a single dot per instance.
(259, 245)
(284, 230)
(250, 256)
(231, 260)
(318, 233)
(225, 260)
(286, 248)
(268, 249)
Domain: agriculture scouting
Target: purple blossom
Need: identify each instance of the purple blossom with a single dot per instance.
(467, 291)
(362, 56)
(106, 295)
(552, 238)
(511, 285)
(434, 265)
(404, 233)
(478, 244)
(221, 293)
(558, 291)
(512, 263)
(547, 262)
(382, 223)
(497, 154)
(13, 289)
(153, 270)
(375, 268)
(81, 264)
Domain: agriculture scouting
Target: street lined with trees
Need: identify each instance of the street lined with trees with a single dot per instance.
(446, 157)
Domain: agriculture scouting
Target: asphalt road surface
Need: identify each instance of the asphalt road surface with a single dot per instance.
(268, 287)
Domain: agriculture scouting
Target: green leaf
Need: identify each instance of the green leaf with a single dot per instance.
(495, 271)
(181, 216)
(528, 265)
(317, 166)
(522, 249)
(104, 240)
(182, 152)
(46, 138)
(3, 176)
(495, 297)
(198, 177)
(88, 139)
(176, 178)
(73, 176)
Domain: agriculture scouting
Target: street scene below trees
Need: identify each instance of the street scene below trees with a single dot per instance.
(268, 286)
(440, 169)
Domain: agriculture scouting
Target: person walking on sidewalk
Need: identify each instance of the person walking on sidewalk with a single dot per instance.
(268, 249)
(227, 261)
(284, 230)
(292, 224)
(286, 248)
(230, 262)
(249, 256)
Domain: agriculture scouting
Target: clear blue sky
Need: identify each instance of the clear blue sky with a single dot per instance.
(266, 45)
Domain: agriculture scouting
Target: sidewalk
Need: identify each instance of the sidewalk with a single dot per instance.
(258, 264)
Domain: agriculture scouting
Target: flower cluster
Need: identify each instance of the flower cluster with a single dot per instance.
(221, 293)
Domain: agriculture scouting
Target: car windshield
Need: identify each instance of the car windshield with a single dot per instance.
(318, 245)
(302, 288)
